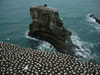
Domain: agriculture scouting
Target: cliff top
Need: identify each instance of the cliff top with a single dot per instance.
(44, 7)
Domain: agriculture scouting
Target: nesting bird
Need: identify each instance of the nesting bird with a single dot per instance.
(23, 61)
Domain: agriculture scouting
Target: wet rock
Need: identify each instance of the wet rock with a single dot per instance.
(48, 26)
(96, 17)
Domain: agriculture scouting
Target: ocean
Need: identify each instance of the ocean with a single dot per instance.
(15, 19)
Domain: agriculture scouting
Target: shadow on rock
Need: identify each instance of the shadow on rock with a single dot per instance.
(48, 26)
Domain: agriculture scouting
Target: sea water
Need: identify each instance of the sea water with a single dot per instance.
(15, 19)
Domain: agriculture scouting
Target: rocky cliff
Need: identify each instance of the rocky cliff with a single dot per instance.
(48, 26)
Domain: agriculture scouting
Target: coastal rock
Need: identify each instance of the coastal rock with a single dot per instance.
(48, 26)
(96, 17)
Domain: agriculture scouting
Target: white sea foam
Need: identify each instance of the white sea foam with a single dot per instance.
(84, 50)
(8, 39)
(92, 20)
(77, 40)
(45, 46)
(97, 27)
(26, 35)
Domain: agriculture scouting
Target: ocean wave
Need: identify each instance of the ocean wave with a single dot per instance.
(43, 45)
(8, 39)
(97, 27)
(84, 50)
(92, 20)
(26, 35)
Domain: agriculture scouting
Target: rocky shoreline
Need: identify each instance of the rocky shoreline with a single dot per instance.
(96, 17)
(24, 61)
(48, 26)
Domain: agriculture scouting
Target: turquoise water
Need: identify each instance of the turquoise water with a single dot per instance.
(15, 19)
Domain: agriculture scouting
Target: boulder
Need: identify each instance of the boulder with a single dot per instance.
(48, 26)
(96, 17)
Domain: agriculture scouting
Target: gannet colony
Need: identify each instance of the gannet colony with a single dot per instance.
(24, 61)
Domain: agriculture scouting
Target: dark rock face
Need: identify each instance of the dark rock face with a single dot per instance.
(48, 26)
(96, 17)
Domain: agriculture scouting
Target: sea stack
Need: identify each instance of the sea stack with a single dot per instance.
(48, 26)
(96, 17)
